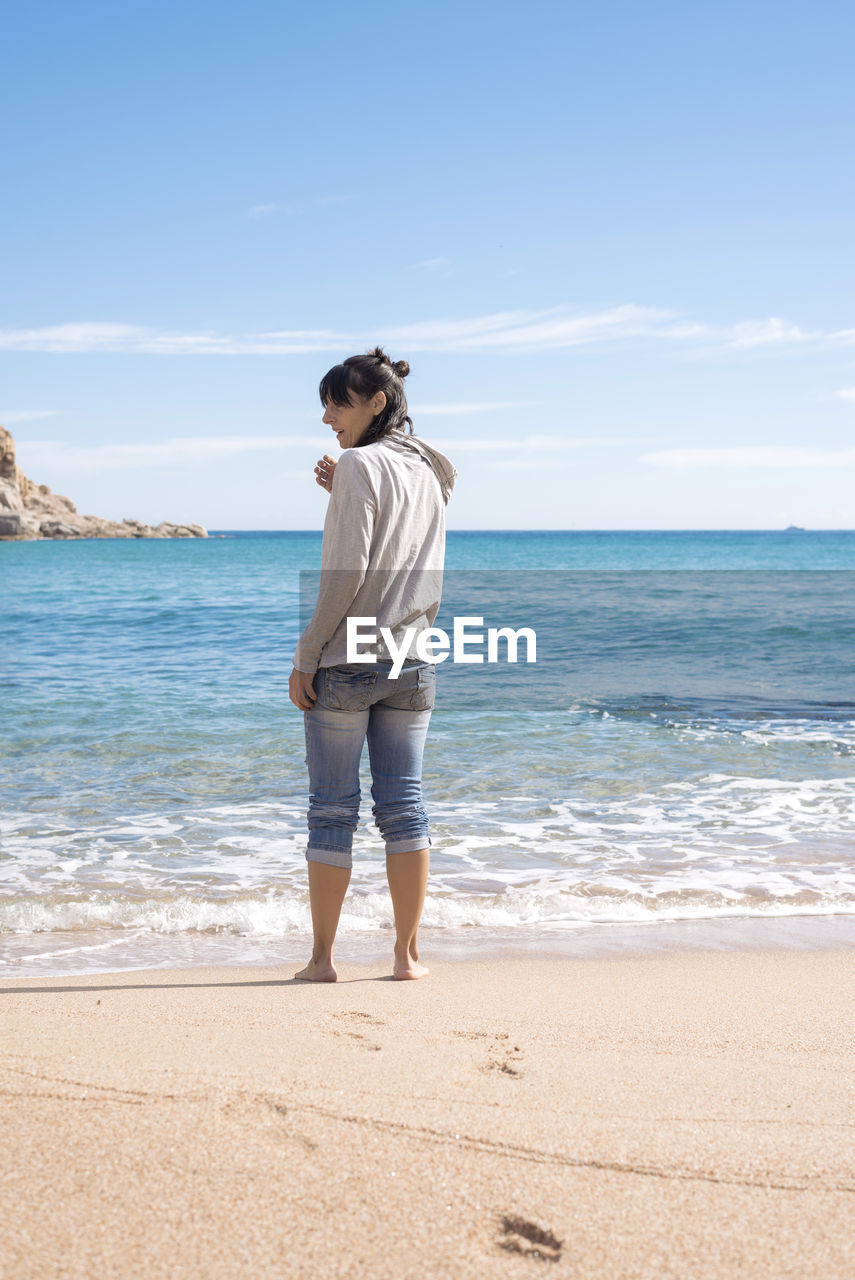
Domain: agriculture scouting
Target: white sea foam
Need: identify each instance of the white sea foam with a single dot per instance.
(699, 847)
(283, 916)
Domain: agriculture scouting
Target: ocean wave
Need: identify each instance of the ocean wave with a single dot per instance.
(553, 904)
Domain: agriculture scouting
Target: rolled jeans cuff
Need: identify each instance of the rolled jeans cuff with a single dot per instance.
(409, 845)
(332, 857)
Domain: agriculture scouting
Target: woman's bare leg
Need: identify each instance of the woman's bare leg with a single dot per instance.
(407, 874)
(327, 887)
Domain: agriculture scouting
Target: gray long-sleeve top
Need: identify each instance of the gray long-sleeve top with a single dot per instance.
(383, 549)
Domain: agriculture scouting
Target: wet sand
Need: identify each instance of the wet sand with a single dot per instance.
(678, 1114)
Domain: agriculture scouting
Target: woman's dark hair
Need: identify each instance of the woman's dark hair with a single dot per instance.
(365, 376)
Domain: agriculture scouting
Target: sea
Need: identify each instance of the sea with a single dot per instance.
(669, 762)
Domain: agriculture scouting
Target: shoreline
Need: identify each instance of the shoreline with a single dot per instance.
(668, 1115)
(78, 953)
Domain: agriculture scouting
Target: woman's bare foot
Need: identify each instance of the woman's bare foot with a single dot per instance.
(407, 966)
(313, 972)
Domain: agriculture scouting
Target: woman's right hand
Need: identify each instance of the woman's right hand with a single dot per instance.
(324, 469)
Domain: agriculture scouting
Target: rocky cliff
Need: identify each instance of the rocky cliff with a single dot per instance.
(29, 510)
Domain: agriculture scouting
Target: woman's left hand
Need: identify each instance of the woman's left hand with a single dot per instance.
(301, 689)
(324, 469)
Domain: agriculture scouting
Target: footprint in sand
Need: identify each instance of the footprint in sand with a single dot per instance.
(364, 1019)
(361, 1020)
(361, 1039)
(301, 1139)
(508, 1057)
(517, 1235)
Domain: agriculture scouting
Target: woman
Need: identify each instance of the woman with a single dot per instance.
(382, 558)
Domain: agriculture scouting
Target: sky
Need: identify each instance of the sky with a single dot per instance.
(613, 241)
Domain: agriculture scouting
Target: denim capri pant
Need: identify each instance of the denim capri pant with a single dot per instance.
(355, 701)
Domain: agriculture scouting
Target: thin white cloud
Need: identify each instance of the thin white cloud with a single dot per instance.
(25, 415)
(527, 464)
(465, 407)
(134, 339)
(74, 337)
(527, 445)
(530, 330)
(59, 457)
(505, 331)
(432, 264)
(127, 338)
(846, 393)
(768, 333)
(176, 452)
(263, 210)
(743, 457)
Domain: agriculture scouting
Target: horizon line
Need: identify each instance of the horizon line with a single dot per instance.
(776, 529)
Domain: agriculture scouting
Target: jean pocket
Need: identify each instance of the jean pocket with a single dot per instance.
(423, 696)
(347, 690)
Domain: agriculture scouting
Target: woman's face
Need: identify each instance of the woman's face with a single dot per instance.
(350, 422)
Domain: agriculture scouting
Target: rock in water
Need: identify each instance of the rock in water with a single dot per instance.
(29, 510)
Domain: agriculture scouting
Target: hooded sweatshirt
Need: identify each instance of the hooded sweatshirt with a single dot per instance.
(383, 550)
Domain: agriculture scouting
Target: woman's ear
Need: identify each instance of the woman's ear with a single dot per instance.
(379, 402)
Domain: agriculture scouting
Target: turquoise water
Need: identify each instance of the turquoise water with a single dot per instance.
(683, 748)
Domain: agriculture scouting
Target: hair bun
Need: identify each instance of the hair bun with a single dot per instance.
(399, 367)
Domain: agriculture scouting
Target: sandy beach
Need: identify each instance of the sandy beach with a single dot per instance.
(683, 1114)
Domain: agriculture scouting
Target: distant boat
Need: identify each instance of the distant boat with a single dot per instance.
(794, 528)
